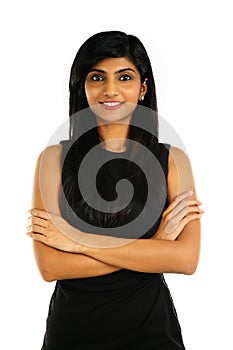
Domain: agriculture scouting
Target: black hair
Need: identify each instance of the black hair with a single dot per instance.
(103, 45)
(109, 44)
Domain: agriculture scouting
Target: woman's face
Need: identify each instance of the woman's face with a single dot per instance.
(113, 88)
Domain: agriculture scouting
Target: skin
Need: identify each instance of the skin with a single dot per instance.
(114, 79)
(175, 245)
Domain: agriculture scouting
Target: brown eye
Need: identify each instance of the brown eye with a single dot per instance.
(125, 77)
(97, 77)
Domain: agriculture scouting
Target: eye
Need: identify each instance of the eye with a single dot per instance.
(125, 77)
(97, 77)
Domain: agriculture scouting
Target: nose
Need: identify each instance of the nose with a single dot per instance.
(110, 88)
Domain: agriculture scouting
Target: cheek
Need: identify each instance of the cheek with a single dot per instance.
(88, 96)
(86, 91)
(134, 93)
(135, 87)
(91, 94)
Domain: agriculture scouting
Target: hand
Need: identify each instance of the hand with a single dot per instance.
(47, 228)
(179, 213)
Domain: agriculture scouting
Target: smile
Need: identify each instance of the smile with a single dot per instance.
(111, 104)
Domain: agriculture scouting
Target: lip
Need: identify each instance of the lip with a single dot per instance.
(111, 104)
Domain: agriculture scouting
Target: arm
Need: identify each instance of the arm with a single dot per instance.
(181, 254)
(55, 264)
(159, 255)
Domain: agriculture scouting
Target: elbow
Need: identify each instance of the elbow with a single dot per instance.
(190, 269)
(46, 271)
(189, 266)
(46, 261)
(47, 276)
(189, 259)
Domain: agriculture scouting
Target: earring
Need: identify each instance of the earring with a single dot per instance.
(142, 98)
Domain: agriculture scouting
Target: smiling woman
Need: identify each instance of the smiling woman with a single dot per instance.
(114, 80)
(110, 289)
(114, 84)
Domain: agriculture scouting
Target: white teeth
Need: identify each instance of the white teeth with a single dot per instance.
(111, 104)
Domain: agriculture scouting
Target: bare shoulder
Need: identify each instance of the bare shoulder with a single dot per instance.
(177, 153)
(50, 158)
(180, 177)
(48, 177)
(177, 159)
(52, 152)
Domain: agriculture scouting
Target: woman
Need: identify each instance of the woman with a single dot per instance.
(110, 291)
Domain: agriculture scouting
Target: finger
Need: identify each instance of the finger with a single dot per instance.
(179, 216)
(184, 204)
(36, 236)
(183, 195)
(40, 213)
(177, 206)
(188, 218)
(177, 200)
(189, 209)
(37, 229)
(195, 208)
(38, 221)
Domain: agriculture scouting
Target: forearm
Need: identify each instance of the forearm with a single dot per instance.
(144, 255)
(57, 265)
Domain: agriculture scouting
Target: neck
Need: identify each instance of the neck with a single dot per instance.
(114, 136)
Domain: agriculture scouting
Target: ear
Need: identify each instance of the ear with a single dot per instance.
(143, 89)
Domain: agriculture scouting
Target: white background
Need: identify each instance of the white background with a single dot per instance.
(190, 46)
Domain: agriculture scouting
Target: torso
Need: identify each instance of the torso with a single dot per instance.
(122, 310)
(50, 177)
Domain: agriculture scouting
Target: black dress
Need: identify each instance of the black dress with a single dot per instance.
(124, 310)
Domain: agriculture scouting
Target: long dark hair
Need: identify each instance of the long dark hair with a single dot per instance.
(110, 44)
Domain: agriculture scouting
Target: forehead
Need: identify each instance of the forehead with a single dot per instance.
(115, 64)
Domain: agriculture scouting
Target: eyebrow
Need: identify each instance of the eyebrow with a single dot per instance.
(117, 72)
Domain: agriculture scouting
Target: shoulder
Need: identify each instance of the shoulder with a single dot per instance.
(51, 151)
(49, 160)
(50, 154)
(177, 152)
(180, 176)
(47, 179)
(176, 158)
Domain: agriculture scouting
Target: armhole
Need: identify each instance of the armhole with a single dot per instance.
(66, 145)
(162, 154)
(165, 158)
(162, 151)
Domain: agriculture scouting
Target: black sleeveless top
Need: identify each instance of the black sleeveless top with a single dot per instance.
(124, 310)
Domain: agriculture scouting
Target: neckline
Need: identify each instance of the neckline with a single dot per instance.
(113, 152)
